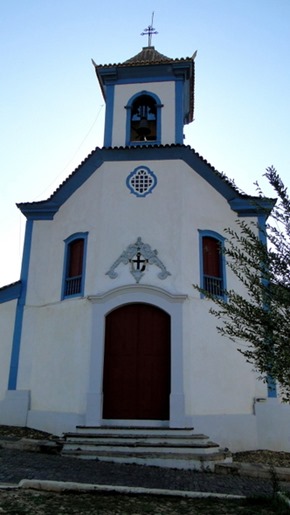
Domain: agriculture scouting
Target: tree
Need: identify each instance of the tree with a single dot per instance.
(259, 256)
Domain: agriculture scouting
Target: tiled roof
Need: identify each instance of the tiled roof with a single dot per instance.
(170, 151)
(6, 286)
(148, 55)
(136, 148)
(10, 292)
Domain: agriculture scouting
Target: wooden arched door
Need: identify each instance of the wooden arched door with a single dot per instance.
(136, 382)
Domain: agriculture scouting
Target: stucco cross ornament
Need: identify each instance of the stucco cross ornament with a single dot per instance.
(139, 255)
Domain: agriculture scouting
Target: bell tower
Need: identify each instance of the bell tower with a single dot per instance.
(149, 98)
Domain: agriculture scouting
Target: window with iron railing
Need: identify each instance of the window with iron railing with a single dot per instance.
(212, 263)
(74, 266)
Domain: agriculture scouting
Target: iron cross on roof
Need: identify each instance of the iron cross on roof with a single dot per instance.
(149, 31)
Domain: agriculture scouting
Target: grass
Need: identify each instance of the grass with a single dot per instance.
(20, 502)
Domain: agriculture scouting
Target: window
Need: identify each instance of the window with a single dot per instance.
(212, 263)
(143, 119)
(141, 181)
(74, 265)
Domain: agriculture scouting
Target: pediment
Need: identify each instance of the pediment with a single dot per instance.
(244, 205)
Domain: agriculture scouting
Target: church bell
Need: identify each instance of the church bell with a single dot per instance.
(143, 129)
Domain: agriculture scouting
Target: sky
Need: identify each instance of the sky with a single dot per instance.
(52, 110)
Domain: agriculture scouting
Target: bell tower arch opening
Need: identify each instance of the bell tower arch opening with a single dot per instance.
(143, 119)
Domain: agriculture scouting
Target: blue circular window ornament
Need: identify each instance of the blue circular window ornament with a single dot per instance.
(141, 181)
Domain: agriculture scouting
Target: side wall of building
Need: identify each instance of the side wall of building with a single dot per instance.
(7, 320)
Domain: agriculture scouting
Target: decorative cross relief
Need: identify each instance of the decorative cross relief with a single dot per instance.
(139, 255)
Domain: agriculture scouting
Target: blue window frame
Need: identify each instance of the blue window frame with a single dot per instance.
(212, 263)
(74, 265)
(143, 119)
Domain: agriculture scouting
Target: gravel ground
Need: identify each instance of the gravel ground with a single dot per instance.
(41, 503)
(16, 465)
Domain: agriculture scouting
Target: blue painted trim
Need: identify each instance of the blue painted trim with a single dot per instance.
(262, 228)
(45, 210)
(108, 135)
(14, 362)
(128, 107)
(150, 73)
(252, 206)
(262, 235)
(145, 80)
(135, 172)
(271, 383)
(179, 114)
(221, 239)
(10, 292)
(67, 241)
(271, 387)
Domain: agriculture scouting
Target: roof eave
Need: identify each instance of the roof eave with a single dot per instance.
(252, 206)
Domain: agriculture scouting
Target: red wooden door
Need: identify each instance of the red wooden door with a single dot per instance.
(136, 381)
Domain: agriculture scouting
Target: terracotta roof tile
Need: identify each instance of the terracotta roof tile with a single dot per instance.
(148, 55)
(138, 148)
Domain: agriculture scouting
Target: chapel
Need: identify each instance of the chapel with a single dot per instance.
(104, 327)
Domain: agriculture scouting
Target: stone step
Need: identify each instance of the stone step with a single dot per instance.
(138, 448)
(139, 430)
(159, 459)
(163, 447)
(170, 440)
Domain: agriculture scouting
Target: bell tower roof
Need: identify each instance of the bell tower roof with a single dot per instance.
(148, 55)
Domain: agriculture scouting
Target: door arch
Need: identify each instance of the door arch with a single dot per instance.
(136, 376)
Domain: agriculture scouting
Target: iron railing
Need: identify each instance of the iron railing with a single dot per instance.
(213, 285)
(73, 285)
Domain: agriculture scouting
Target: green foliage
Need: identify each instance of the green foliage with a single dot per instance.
(258, 254)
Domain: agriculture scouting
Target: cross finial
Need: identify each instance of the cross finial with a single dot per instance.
(149, 31)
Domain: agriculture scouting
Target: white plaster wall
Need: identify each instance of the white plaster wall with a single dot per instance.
(217, 379)
(268, 427)
(273, 424)
(236, 432)
(54, 356)
(123, 92)
(168, 220)
(7, 319)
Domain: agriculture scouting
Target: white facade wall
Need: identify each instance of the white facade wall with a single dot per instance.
(54, 356)
(57, 337)
(62, 347)
(168, 219)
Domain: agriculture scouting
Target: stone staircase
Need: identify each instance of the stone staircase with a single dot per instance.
(161, 447)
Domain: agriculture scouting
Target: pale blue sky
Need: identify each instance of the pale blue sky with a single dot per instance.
(52, 110)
